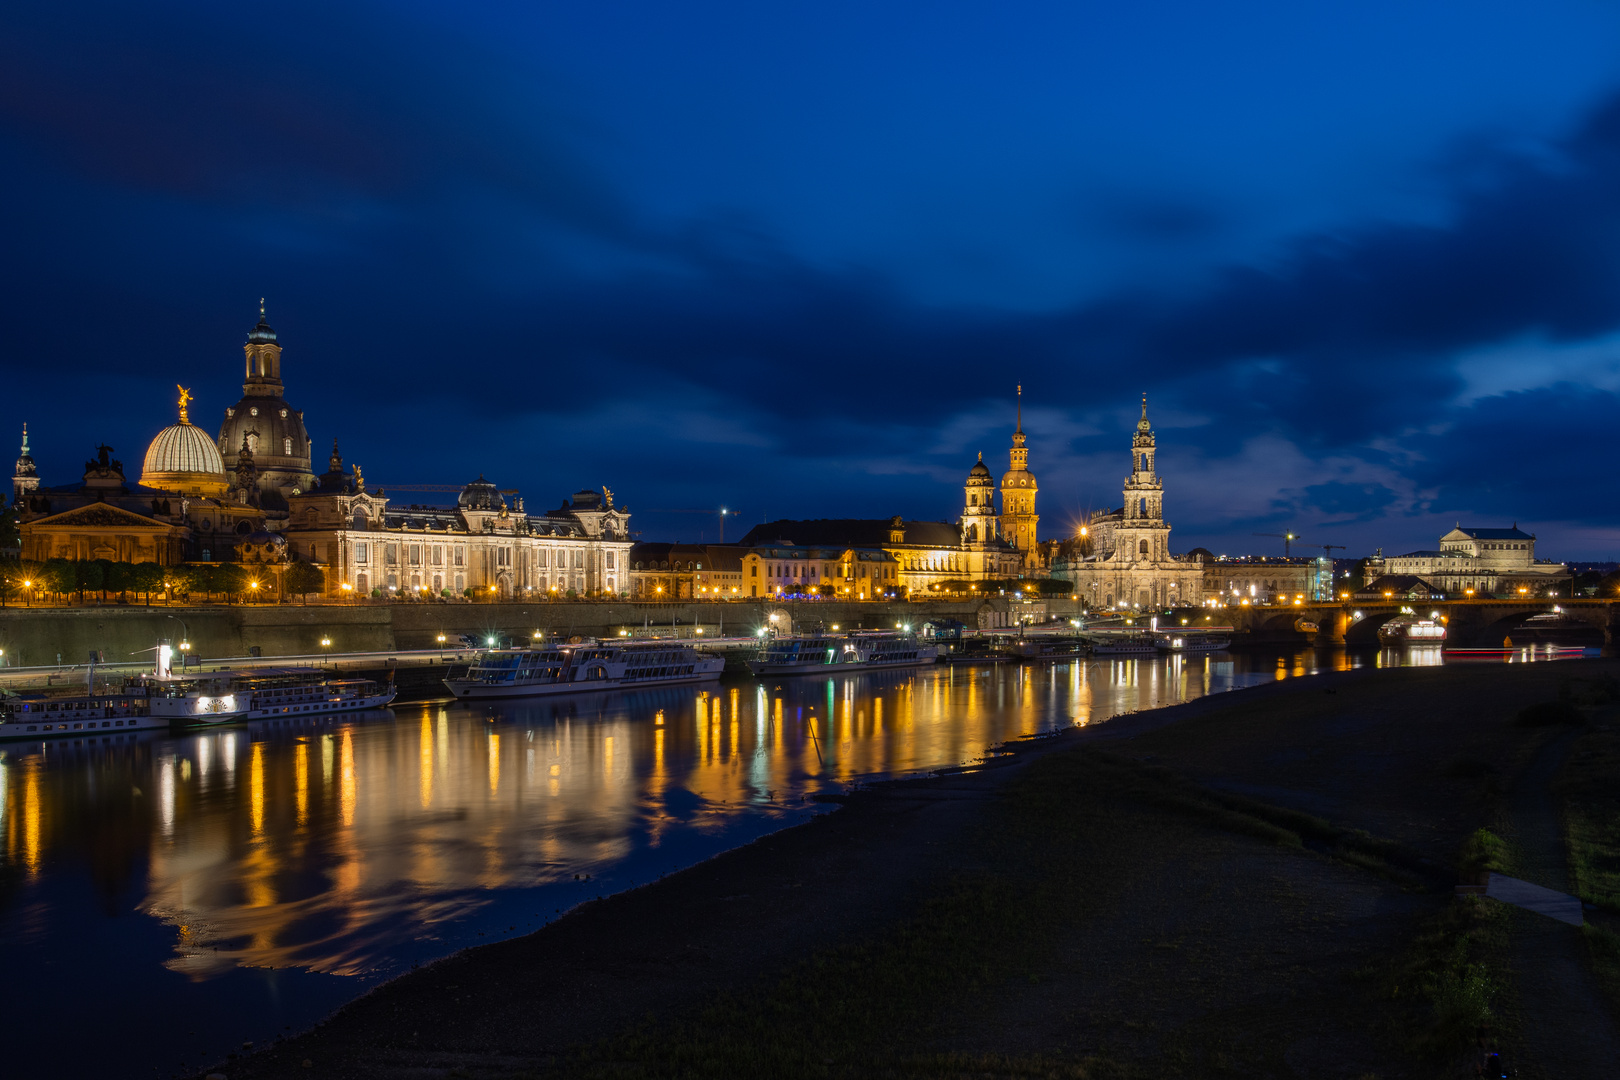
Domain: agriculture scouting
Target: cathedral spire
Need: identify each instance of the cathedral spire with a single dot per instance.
(1020, 408)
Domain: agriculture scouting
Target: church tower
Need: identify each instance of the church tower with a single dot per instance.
(272, 430)
(26, 477)
(979, 524)
(1142, 535)
(1018, 517)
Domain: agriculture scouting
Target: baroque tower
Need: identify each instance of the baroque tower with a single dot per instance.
(1018, 517)
(1142, 535)
(273, 431)
(979, 524)
(25, 479)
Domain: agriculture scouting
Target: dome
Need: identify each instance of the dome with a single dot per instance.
(979, 470)
(262, 331)
(480, 495)
(183, 448)
(183, 458)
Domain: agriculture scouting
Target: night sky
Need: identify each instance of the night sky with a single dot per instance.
(794, 258)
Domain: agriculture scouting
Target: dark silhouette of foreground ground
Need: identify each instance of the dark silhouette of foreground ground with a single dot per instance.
(1256, 884)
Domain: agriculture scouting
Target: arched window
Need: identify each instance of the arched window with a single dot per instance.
(286, 447)
(1141, 548)
(360, 520)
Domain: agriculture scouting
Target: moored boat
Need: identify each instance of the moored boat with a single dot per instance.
(1411, 630)
(38, 716)
(262, 693)
(575, 669)
(825, 654)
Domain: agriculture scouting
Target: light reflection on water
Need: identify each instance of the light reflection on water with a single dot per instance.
(256, 877)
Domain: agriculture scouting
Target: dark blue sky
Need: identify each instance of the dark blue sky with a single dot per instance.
(794, 258)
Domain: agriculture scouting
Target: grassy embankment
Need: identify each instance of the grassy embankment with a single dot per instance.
(1590, 795)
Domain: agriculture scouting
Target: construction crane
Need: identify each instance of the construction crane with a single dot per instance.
(722, 512)
(458, 488)
(1286, 538)
(1329, 549)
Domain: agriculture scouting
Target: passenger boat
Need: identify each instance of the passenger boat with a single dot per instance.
(1132, 645)
(574, 669)
(1055, 648)
(1192, 643)
(261, 693)
(824, 654)
(38, 716)
(1410, 630)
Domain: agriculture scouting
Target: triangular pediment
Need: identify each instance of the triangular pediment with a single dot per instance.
(98, 516)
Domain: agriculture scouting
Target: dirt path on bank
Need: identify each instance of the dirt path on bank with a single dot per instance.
(1174, 893)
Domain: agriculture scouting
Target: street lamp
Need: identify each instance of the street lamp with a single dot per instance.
(347, 591)
(254, 586)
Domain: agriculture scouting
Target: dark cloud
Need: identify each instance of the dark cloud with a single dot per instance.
(443, 247)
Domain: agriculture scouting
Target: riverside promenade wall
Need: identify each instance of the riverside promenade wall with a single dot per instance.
(121, 633)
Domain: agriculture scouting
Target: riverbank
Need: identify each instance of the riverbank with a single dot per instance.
(1257, 883)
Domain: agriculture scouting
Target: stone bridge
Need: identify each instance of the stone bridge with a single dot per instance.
(1469, 623)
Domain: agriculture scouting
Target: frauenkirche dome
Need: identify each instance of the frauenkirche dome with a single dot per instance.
(184, 459)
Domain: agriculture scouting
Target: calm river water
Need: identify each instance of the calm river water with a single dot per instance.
(165, 898)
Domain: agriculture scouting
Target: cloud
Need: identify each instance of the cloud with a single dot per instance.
(454, 250)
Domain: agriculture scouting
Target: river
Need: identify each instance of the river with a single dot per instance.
(166, 898)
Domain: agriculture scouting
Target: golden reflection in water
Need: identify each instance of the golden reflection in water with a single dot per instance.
(404, 873)
(256, 788)
(346, 792)
(301, 780)
(31, 824)
(424, 764)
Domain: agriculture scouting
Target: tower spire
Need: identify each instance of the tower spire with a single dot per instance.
(1020, 407)
(25, 440)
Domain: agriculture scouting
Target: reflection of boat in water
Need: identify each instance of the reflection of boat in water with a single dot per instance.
(1411, 630)
(574, 669)
(262, 694)
(822, 654)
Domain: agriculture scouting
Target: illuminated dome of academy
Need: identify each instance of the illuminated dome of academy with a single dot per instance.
(182, 458)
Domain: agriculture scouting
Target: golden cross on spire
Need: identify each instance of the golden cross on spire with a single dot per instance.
(185, 399)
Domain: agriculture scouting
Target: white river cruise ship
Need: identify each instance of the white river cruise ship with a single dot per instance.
(823, 654)
(260, 694)
(574, 669)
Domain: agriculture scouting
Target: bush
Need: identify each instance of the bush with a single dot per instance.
(1549, 713)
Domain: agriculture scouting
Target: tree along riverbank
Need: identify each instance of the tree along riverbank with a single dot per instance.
(1259, 883)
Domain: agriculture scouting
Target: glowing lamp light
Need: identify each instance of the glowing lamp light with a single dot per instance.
(326, 643)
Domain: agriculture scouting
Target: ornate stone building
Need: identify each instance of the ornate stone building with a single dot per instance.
(1135, 568)
(104, 517)
(1478, 562)
(483, 543)
(918, 554)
